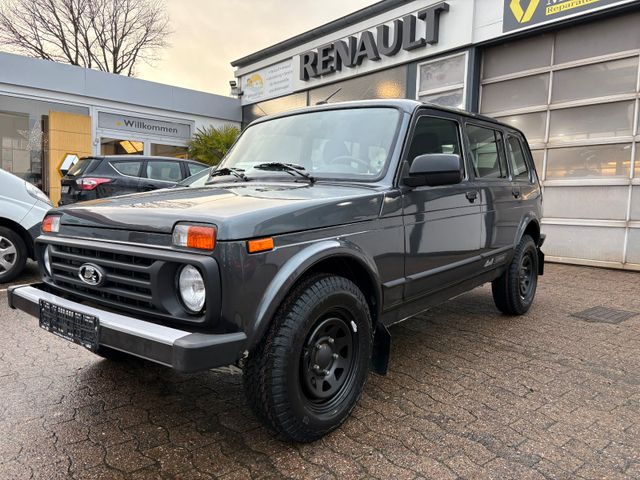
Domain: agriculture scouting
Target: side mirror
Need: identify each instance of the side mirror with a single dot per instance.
(435, 169)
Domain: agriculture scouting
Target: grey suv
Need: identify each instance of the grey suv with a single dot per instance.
(320, 228)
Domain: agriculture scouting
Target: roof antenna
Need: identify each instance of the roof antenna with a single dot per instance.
(326, 100)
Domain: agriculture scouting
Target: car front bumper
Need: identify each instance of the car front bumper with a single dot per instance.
(182, 350)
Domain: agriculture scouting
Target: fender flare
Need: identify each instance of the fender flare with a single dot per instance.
(524, 223)
(295, 268)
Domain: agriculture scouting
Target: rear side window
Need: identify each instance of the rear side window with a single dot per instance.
(484, 143)
(195, 168)
(84, 165)
(517, 160)
(129, 167)
(434, 135)
(166, 171)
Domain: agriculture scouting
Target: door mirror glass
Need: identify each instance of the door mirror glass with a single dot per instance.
(435, 169)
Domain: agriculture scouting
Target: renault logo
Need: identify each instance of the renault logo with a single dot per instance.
(523, 15)
(91, 274)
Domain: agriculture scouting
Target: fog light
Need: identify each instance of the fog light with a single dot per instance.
(192, 290)
(47, 260)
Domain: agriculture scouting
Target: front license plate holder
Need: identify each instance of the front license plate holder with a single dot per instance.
(71, 325)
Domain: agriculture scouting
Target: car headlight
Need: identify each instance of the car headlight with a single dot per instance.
(36, 193)
(47, 260)
(192, 290)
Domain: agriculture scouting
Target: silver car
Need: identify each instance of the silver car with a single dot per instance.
(22, 208)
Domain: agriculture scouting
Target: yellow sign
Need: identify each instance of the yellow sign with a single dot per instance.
(568, 6)
(523, 15)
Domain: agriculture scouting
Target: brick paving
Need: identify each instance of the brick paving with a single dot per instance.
(470, 394)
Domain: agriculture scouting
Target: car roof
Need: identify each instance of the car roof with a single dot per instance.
(405, 105)
(139, 157)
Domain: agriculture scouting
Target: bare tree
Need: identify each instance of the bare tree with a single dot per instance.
(109, 35)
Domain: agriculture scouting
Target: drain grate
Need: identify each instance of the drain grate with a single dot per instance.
(604, 315)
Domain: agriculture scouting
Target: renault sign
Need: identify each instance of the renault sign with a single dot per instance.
(526, 13)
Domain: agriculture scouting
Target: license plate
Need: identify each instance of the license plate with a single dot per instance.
(65, 189)
(74, 326)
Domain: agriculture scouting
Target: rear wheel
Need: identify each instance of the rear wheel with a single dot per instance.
(13, 255)
(514, 291)
(308, 373)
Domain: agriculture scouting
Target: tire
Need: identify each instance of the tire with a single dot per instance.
(304, 378)
(13, 255)
(514, 291)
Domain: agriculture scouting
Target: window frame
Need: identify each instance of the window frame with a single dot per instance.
(431, 113)
(502, 155)
(448, 88)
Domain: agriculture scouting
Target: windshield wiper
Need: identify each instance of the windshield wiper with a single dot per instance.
(236, 172)
(290, 168)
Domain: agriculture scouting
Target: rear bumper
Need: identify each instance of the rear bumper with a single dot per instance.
(182, 350)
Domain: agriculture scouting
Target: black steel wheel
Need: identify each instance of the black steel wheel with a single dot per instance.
(304, 378)
(514, 291)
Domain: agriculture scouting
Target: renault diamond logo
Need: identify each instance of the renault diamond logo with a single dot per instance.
(523, 15)
(91, 274)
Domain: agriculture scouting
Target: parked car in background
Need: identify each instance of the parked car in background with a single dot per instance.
(111, 175)
(22, 208)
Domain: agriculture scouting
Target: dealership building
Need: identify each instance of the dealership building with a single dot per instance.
(566, 72)
(50, 112)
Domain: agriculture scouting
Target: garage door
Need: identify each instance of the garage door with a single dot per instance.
(575, 93)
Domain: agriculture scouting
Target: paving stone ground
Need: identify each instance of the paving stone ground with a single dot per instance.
(470, 394)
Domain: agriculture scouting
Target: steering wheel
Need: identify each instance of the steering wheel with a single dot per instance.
(349, 159)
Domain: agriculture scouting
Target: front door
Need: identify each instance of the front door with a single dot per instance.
(442, 224)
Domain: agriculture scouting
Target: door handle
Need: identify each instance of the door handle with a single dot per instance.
(471, 196)
(516, 192)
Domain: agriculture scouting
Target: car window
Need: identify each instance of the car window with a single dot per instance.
(516, 157)
(484, 144)
(434, 135)
(167, 171)
(195, 168)
(84, 165)
(128, 167)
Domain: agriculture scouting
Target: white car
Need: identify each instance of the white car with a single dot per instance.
(22, 208)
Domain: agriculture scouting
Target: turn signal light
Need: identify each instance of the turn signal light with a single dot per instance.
(260, 245)
(194, 236)
(51, 224)
(91, 183)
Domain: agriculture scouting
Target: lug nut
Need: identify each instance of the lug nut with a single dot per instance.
(335, 356)
(316, 367)
(330, 340)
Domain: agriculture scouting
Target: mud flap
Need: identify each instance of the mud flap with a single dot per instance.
(381, 350)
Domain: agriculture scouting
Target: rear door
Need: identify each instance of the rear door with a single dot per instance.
(523, 179)
(485, 143)
(442, 223)
(127, 176)
(161, 174)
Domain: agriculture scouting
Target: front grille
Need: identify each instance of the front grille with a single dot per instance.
(127, 282)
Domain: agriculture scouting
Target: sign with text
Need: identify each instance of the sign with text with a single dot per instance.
(128, 123)
(272, 81)
(526, 13)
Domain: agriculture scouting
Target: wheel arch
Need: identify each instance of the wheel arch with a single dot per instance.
(20, 230)
(338, 257)
(530, 226)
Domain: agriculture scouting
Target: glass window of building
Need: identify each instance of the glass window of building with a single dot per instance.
(169, 151)
(24, 135)
(112, 146)
(442, 81)
(270, 107)
(390, 83)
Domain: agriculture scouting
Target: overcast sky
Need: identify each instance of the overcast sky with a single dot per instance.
(209, 34)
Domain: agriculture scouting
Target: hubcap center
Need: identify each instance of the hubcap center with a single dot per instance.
(324, 356)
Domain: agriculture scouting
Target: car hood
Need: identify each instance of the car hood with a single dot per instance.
(240, 210)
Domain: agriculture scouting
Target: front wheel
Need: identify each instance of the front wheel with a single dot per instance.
(307, 374)
(13, 255)
(514, 290)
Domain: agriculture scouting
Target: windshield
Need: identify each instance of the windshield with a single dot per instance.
(350, 143)
(197, 180)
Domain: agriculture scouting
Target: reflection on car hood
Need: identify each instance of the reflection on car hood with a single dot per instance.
(240, 210)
